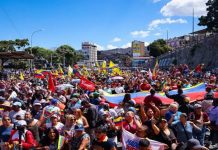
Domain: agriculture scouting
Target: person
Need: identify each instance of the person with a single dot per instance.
(80, 139)
(179, 97)
(152, 99)
(27, 139)
(145, 86)
(6, 106)
(142, 131)
(36, 111)
(68, 129)
(184, 129)
(194, 144)
(91, 116)
(55, 123)
(131, 123)
(80, 119)
(144, 144)
(5, 129)
(166, 135)
(50, 140)
(213, 115)
(201, 119)
(172, 115)
(17, 111)
(102, 141)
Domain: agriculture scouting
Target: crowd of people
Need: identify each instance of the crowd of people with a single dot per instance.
(33, 117)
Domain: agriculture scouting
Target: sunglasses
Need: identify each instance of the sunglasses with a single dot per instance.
(6, 119)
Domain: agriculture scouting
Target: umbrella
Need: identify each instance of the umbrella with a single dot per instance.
(117, 78)
(75, 80)
(64, 86)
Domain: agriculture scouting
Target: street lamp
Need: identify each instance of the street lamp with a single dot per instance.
(31, 44)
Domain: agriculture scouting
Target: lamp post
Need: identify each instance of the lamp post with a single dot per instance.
(31, 44)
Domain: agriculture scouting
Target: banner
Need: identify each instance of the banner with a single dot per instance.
(131, 142)
(86, 84)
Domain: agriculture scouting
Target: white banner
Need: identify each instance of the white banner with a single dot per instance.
(131, 142)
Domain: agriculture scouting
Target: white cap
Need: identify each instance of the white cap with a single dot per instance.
(21, 123)
(36, 102)
(17, 104)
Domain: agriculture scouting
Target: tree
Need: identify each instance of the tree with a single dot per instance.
(69, 54)
(211, 19)
(158, 47)
(11, 46)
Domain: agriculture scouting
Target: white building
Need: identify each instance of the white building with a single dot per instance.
(89, 51)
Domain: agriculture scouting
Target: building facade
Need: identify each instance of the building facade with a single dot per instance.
(89, 51)
(138, 49)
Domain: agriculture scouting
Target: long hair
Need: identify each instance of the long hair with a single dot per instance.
(46, 140)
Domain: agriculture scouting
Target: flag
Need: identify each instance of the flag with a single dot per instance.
(96, 64)
(111, 64)
(85, 71)
(118, 121)
(154, 74)
(38, 74)
(104, 67)
(76, 73)
(70, 71)
(116, 71)
(86, 84)
(51, 85)
(131, 142)
(60, 142)
(60, 70)
(21, 76)
(149, 74)
(55, 73)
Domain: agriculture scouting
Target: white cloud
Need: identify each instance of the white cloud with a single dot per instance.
(116, 39)
(110, 46)
(146, 43)
(155, 1)
(157, 34)
(155, 23)
(140, 33)
(184, 8)
(99, 47)
(126, 45)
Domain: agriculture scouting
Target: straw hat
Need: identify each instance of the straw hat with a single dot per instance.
(6, 104)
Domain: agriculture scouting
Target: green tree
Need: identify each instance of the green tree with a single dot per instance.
(11, 46)
(211, 19)
(40, 52)
(21, 43)
(158, 47)
(69, 54)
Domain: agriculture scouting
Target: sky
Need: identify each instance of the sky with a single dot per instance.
(107, 23)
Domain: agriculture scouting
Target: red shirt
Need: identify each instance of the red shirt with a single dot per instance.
(145, 87)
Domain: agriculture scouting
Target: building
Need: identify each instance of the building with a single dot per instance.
(89, 51)
(138, 49)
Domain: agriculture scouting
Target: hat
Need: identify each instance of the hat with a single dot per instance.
(6, 104)
(74, 95)
(54, 101)
(54, 116)
(21, 123)
(194, 144)
(17, 104)
(79, 127)
(50, 97)
(36, 102)
(197, 106)
(132, 109)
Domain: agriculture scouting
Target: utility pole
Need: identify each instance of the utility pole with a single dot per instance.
(193, 23)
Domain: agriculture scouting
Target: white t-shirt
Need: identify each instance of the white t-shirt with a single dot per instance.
(14, 114)
(58, 126)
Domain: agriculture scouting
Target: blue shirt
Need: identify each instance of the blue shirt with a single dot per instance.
(5, 133)
(180, 131)
(169, 114)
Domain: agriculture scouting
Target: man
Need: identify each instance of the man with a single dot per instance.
(55, 123)
(144, 144)
(102, 141)
(17, 111)
(152, 99)
(91, 116)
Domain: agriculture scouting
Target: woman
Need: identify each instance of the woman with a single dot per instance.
(184, 129)
(50, 140)
(166, 135)
(5, 130)
(68, 128)
(127, 101)
(80, 140)
(80, 119)
(131, 123)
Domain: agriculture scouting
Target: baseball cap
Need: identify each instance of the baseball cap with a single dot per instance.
(197, 106)
(54, 101)
(79, 127)
(54, 116)
(132, 109)
(17, 104)
(36, 102)
(21, 123)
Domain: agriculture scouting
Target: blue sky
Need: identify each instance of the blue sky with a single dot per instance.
(108, 23)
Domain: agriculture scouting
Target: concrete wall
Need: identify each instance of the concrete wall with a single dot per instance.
(203, 51)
